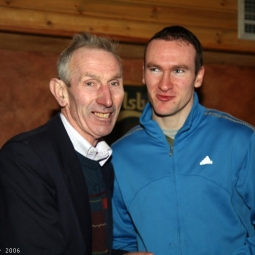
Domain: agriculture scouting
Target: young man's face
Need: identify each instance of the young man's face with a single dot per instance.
(96, 93)
(169, 73)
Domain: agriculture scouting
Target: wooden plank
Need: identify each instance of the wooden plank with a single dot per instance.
(24, 42)
(45, 23)
(161, 14)
(67, 6)
(77, 6)
(220, 5)
(48, 44)
(233, 59)
(138, 12)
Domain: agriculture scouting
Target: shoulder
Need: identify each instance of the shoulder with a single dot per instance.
(129, 137)
(25, 140)
(223, 119)
(40, 137)
(42, 151)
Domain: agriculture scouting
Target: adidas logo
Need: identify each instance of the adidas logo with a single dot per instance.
(206, 161)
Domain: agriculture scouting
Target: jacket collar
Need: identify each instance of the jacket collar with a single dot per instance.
(152, 127)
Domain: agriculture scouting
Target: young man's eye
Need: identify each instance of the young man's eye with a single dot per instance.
(179, 71)
(154, 69)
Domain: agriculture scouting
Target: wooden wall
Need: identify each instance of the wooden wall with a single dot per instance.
(213, 21)
(33, 33)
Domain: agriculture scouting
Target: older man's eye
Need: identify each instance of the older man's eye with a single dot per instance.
(89, 84)
(115, 83)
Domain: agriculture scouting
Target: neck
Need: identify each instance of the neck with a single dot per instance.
(171, 122)
(92, 140)
(176, 120)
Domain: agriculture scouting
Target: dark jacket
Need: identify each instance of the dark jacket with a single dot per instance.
(44, 205)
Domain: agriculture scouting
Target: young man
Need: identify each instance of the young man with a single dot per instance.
(185, 177)
(56, 181)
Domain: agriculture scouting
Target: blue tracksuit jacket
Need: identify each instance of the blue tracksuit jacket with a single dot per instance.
(196, 198)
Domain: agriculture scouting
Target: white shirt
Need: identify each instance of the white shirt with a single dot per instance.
(170, 133)
(100, 153)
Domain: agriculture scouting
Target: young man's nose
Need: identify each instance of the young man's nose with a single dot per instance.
(166, 82)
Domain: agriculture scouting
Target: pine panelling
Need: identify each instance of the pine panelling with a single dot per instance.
(35, 43)
(42, 44)
(214, 22)
(49, 23)
(72, 6)
(137, 12)
(164, 15)
(218, 5)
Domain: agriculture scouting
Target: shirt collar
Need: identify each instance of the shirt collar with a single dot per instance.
(100, 153)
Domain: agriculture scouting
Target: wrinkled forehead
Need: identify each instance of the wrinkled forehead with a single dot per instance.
(95, 62)
(85, 53)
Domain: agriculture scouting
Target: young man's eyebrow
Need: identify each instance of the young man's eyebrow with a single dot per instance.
(152, 65)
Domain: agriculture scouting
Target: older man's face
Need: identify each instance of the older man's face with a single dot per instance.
(96, 93)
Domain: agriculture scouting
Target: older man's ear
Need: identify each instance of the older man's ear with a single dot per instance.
(59, 90)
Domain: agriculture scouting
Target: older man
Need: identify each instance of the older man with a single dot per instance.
(56, 180)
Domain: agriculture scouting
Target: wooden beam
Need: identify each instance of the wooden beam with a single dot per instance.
(136, 12)
(25, 42)
(219, 5)
(78, 6)
(58, 24)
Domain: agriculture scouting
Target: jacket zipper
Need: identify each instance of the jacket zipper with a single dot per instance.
(171, 149)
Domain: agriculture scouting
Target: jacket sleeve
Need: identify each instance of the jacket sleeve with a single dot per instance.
(124, 234)
(246, 189)
(29, 219)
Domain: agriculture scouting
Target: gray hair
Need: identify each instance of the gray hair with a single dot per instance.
(85, 40)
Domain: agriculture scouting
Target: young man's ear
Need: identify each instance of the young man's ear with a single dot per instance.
(143, 80)
(199, 78)
(59, 90)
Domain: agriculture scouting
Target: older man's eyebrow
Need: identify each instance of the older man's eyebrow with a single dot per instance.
(98, 77)
(117, 76)
(92, 75)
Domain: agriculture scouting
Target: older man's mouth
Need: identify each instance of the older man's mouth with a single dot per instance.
(102, 115)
